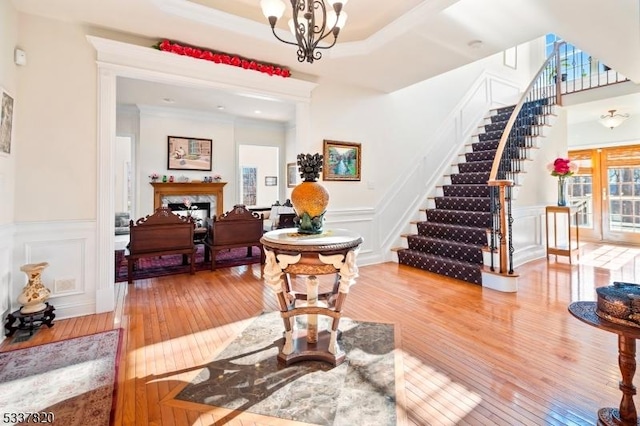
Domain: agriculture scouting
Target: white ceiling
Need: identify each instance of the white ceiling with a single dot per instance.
(385, 45)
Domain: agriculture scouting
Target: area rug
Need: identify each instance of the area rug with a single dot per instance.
(246, 377)
(151, 267)
(71, 382)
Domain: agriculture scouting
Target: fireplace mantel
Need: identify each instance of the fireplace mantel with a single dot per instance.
(161, 189)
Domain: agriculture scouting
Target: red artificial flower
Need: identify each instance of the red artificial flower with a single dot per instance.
(562, 167)
(194, 52)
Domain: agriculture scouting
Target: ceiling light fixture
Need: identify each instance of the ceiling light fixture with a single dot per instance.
(612, 119)
(312, 22)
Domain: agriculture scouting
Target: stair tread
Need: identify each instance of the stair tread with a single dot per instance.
(475, 228)
(445, 241)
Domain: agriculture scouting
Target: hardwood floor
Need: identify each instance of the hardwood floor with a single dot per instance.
(470, 356)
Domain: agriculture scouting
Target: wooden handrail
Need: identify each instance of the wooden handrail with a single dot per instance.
(539, 95)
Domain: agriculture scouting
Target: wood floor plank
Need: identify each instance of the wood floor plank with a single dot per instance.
(469, 355)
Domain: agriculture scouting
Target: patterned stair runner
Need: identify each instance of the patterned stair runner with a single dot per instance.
(451, 239)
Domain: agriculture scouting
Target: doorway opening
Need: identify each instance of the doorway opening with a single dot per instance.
(259, 175)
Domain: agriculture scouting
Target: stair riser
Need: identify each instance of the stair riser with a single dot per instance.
(475, 219)
(466, 191)
(469, 178)
(441, 267)
(475, 166)
(463, 235)
(466, 253)
(475, 204)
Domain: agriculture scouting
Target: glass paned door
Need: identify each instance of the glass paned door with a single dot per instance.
(621, 194)
(606, 192)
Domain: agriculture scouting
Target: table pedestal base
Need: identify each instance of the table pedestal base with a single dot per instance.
(611, 417)
(303, 350)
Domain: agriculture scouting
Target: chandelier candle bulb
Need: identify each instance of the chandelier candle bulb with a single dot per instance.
(312, 22)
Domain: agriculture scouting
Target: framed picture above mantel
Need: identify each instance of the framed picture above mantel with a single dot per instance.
(186, 153)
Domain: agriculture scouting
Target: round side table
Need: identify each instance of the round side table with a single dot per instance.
(626, 414)
(332, 252)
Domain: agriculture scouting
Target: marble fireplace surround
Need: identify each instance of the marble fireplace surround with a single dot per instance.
(197, 192)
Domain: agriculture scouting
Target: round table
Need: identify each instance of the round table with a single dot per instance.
(626, 414)
(287, 252)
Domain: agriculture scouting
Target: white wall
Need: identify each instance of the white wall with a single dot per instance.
(156, 124)
(57, 129)
(591, 134)
(123, 168)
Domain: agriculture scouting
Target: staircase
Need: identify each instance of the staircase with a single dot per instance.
(452, 239)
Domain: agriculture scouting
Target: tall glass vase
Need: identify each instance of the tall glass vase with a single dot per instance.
(562, 191)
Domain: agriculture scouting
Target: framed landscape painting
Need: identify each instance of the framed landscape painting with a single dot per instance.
(341, 160)
(6, 121)
(189, 153)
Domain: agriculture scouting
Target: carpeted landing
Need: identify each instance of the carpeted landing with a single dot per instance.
(246, 377)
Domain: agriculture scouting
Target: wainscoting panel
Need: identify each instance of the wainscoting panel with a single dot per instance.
(360, 221)
(70, 249)
(529, 239)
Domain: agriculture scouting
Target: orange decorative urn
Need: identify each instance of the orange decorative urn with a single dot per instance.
(309, 199)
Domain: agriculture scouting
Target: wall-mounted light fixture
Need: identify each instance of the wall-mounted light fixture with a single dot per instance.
(312, 22)
(612, 119)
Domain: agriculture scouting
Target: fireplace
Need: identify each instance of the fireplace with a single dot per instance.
(197, 192)
(199, 211)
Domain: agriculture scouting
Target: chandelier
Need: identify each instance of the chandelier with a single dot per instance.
(612, 119)
(312, 22)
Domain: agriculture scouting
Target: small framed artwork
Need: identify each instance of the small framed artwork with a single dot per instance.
(292, 170)
(341, 160)
(6, 121)
(189, 153)
(270, 181)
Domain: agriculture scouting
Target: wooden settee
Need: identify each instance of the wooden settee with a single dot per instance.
(238, 227)
(159, 234)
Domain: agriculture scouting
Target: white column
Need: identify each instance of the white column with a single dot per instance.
(105, 296)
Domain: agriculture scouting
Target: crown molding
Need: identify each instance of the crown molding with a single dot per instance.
(154, 65)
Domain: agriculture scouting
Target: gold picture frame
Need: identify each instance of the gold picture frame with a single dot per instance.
(341, 160)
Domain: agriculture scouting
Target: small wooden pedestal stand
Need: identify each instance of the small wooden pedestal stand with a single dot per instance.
(332, 252)
(627, 335)
(29, 321)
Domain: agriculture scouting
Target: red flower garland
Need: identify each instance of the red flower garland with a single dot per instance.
(221, 58)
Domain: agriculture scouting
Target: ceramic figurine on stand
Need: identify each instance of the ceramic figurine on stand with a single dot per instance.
(34, 294)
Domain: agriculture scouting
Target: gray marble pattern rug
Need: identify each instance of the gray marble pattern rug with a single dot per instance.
(246, 376)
